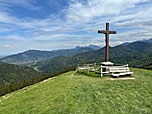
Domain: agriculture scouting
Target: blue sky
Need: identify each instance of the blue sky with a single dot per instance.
(60, 24)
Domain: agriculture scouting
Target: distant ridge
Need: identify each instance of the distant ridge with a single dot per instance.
(31, 57)
(94, 47)
(144, 40)
(148, 41)
(135, 54)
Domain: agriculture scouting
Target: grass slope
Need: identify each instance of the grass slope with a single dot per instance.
(72, 93)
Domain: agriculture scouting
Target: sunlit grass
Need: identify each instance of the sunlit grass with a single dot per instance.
(72, 93)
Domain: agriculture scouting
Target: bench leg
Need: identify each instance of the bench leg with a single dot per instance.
(101, 71)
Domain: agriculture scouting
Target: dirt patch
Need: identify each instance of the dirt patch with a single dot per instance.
(46, 80)
(119, 78)
(5, 97)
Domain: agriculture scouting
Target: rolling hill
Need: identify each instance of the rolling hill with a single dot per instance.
(14, 73)
(72, 93)
(136, 54)
(33, 56)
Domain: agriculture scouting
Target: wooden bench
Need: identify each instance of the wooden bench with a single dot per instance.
(82, 68)
(117, 71)
(121, 70)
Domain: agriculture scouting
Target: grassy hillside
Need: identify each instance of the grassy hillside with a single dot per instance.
(72, 93)
(14, 73)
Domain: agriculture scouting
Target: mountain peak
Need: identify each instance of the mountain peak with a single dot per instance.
(94, 47)
(147, 40)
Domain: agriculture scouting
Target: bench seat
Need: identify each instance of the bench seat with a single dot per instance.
(122, 74)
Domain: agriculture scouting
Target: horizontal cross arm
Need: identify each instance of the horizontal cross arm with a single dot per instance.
(112, 32)
(102, 31)
(105, 32)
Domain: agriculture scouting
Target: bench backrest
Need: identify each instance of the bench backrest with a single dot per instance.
(82, 68)
(119, 69)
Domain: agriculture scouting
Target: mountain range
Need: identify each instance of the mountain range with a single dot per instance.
(136, 54)
(33, 56)
(144, 40)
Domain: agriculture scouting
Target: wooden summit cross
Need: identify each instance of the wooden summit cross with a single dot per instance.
(107, 32)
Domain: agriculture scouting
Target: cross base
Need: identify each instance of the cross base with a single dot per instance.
(107, 63)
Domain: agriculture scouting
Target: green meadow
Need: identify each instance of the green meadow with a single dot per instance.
(73, 93)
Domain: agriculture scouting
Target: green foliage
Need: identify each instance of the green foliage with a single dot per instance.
(72, 93)
(149, 66)
(14, 73)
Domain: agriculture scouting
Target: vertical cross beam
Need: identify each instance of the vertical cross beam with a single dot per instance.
(107, 42)
(107, 32)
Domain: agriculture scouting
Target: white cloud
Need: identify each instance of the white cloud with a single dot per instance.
(79, 24)
(78, 11)
(9, 46)
(92, 15)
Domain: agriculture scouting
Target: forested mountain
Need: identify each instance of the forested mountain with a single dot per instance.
(14, 73)
(144, 40)
(148, 41)
(33, 56)
(136, 54)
